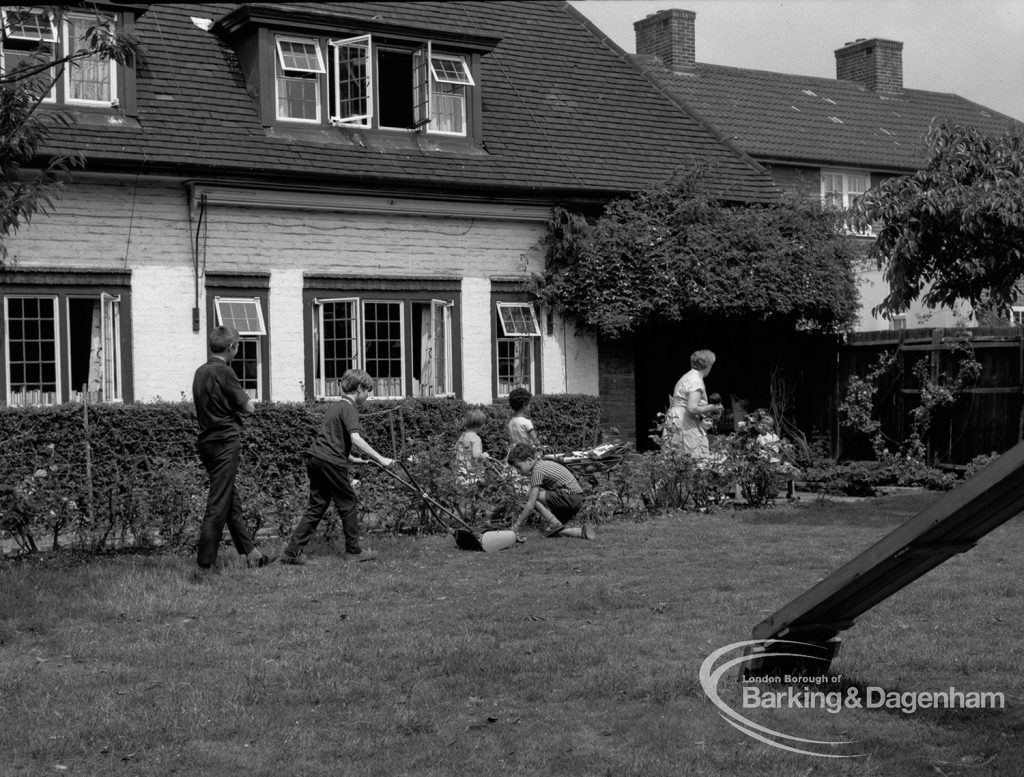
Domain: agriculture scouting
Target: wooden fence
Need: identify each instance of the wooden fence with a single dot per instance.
(987, 417)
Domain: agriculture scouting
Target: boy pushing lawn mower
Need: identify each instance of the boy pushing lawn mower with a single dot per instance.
(555, 494)
(327, 464)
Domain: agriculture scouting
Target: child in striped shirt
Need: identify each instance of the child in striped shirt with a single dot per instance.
(555, 494)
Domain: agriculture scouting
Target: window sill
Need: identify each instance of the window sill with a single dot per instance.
(377, 140)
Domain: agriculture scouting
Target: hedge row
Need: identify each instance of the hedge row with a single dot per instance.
(143, 479)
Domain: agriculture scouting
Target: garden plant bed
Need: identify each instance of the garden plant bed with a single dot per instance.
(555, 657)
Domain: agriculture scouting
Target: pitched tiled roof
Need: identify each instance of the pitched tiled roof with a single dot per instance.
(564, 112)
(802, 119)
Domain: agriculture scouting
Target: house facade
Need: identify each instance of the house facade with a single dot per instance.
(836, 136)
(361, 184)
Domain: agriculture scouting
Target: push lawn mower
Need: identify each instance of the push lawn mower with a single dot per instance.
(465, 537)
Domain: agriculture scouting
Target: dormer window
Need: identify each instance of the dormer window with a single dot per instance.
(323, 69)
(371, 85)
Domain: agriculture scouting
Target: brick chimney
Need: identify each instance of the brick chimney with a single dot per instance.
(668, 35)
(876, 63)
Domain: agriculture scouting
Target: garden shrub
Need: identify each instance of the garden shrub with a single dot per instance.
(147, 485)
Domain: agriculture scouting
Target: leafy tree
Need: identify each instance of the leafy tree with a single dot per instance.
(955, 229)
(24, 125)
(662, 254)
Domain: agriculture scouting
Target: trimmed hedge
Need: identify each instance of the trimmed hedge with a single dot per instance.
(147, 484)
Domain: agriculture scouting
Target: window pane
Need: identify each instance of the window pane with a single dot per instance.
(301, 55)
(32, 351)
(351, 83)
(448, 109)
(514, 364)
(89, 79)
(518, 319)
(338, 346)
(246, 365)
(383, 346)
(29, 24)
(451, 71)
(244, 314)
(298, 97)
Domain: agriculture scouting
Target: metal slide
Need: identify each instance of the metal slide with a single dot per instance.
(950, 526)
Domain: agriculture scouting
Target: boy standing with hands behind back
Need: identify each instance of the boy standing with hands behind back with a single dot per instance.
(327, 465)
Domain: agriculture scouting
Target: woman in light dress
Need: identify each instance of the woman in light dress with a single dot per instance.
(687, 407)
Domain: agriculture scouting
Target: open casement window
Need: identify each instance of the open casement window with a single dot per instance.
(245, 314)
(40, 333)
(518, 319)
(518, 335)
(298, 67)
(421, 85)
(432, 365)
(30, 40)
(352, 81)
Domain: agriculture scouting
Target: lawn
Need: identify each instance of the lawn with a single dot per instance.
(558, 657)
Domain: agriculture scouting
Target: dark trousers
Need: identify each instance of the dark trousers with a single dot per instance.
(223, 505)
(327, 483)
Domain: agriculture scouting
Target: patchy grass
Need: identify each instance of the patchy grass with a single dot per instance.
(558, 657)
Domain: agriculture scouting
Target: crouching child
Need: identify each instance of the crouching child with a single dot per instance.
(555, 495)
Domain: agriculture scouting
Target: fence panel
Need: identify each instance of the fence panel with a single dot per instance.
(988, 417)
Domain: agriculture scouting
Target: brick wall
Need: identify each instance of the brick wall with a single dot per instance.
(670, 36)
(875, 63)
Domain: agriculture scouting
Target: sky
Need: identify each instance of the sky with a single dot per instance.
(973, 48)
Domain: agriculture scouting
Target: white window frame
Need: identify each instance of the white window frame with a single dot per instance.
(1017, 315)
(534, 331)
(320, 368)
(401, 304)
(898, 322)
(465, 80)
(68, 49)
(440, 317)
(58, 393)
(109, 347)
(248, 335)
(364, 43)
(259, 331)
(425, 77)
(320, 67)
(282, 72)
(54, 39)
(110, 338)
(524, 337)
(33, 11)
(848, 195)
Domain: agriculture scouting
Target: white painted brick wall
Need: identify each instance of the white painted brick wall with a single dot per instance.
(165, 350)
(145, 227)
(287, 351)
(476, 340)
